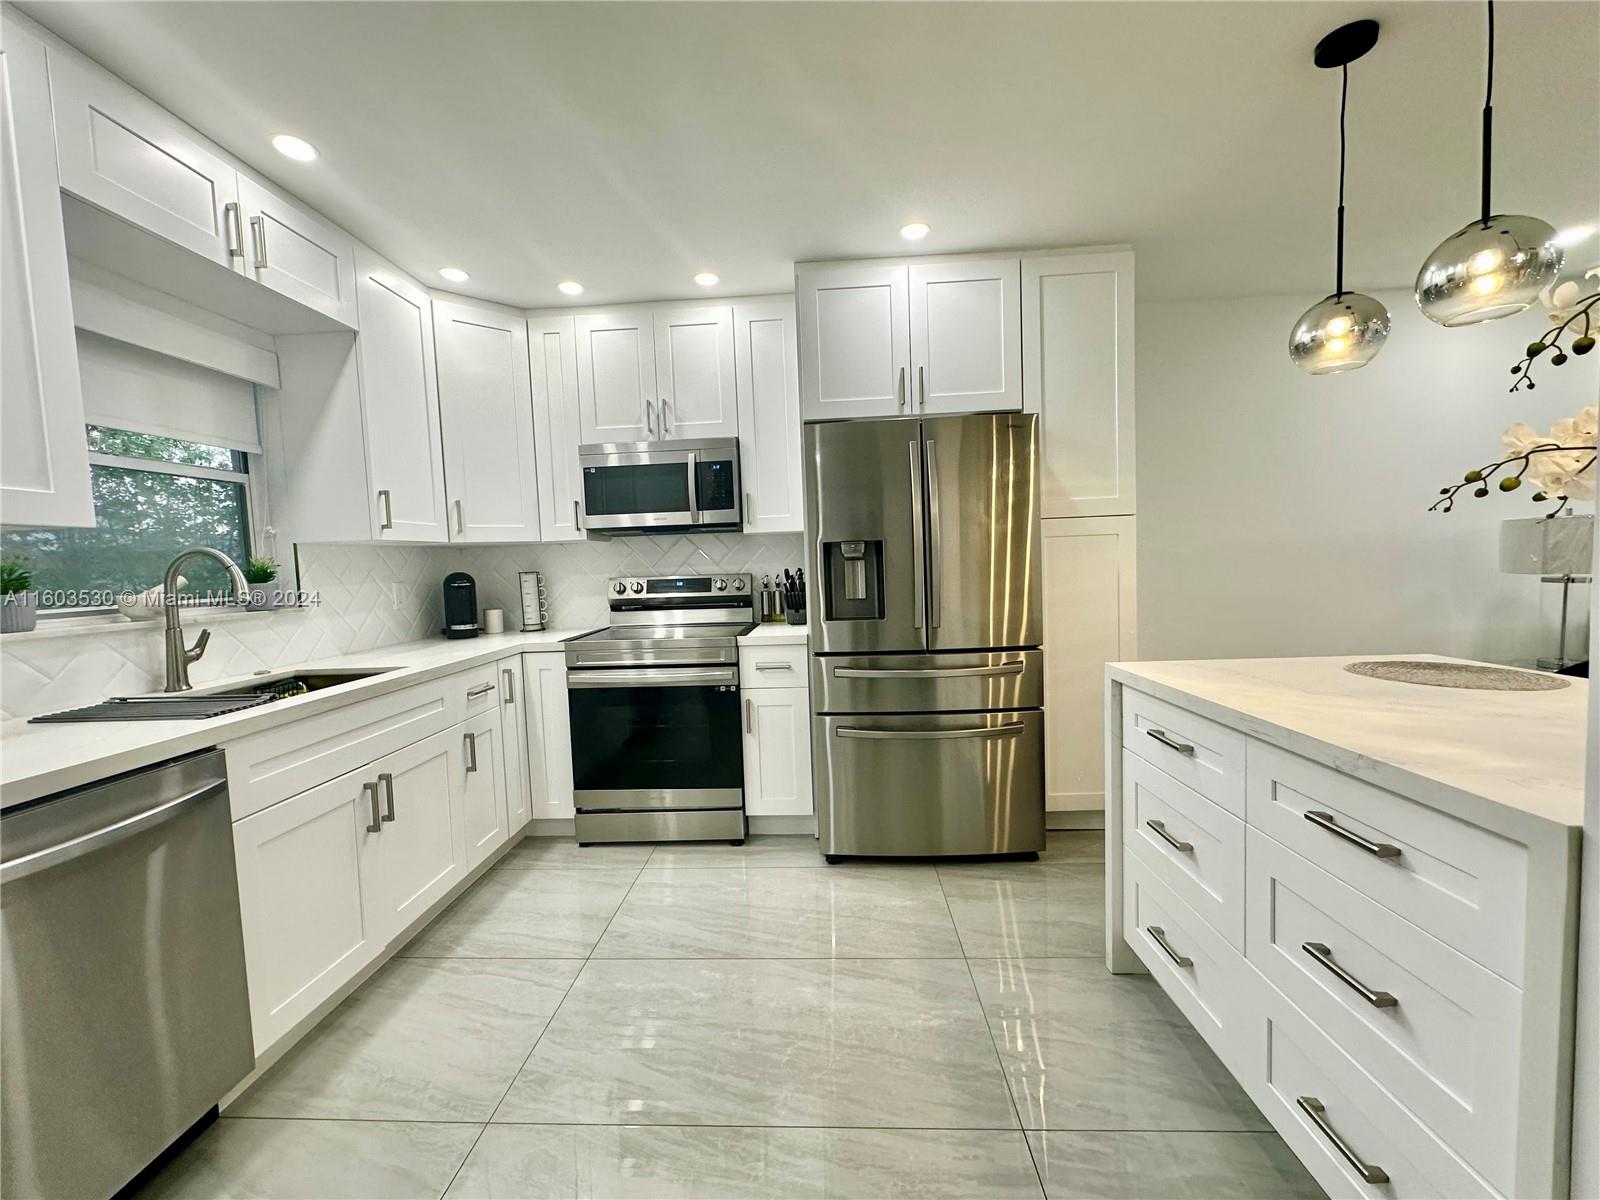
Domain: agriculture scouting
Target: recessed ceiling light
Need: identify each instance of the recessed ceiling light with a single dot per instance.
(570, 287)
(290, 146)
(914, 232)
(706, 279)
(1571, 237)
(454, 274)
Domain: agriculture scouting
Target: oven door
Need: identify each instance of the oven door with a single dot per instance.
(656, 738)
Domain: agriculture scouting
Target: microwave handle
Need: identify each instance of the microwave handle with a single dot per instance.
(694, 487)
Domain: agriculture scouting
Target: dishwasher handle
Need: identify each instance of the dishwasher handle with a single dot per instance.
(110, 835)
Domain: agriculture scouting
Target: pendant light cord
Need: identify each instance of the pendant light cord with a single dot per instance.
(1488, 118)
(1338, 270)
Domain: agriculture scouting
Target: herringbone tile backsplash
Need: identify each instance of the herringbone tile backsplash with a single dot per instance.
(369, 596)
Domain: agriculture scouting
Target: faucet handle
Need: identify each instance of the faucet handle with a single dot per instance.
(193, 653)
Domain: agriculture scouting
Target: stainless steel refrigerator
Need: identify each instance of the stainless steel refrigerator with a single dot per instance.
(927, 681)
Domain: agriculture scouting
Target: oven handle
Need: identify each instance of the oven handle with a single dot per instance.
(658, 677)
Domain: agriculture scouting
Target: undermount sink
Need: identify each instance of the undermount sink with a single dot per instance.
(293, 683)
(202, 703)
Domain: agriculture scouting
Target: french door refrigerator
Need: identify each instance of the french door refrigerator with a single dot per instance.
(927, 679)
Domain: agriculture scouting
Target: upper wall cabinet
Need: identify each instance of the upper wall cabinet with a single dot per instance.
(486, 416)
(695, 371)
(765, 362)
(892, 339)
(296, 253)
(1077, 345)
(617, 375)
(44, 455)
(553, 366)
(400, 404)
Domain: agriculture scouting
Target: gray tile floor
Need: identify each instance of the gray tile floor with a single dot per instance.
(709, 1020)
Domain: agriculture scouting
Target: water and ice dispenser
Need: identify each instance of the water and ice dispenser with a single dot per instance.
(854, 580)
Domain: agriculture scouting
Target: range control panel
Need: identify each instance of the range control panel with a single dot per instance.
(679, 591)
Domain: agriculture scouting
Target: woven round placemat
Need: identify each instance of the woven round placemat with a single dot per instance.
(1458, 675)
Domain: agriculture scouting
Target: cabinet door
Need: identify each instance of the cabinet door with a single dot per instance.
(1077, 358)
(695, 372)
(400, 404)
(549, 736)
(617, 375)
(777, 752)
(486, 417)
(966, 336)
(553, 367)
(296, 253)
(419, 853)
(514, 740)
(44, 455)
(855, 331)
(482, 786)
(1089, 621)
(125, 154)
(767, 371)
(306, 928)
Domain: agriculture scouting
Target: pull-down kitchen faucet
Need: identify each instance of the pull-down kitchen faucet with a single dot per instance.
(179, 658)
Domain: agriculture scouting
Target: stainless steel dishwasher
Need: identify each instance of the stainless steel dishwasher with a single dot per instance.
(123, 1012)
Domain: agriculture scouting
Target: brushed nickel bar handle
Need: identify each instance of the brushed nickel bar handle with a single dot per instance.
(1315, 1109)
(1159, 936)
(900, 390)
(774, 666)
(666, 429)
(371, 789)
(461, 518)
(1009, 729)
(749, 716)
(258, 239)
(508, 676)
(577, 516)
(922, 386)
(233, 229)
(1324, 958)
(650, 417)
(1170, 742)
(1160, 828)
(1325, 821)
(387, 501)
(387, 780)
(482, 689)
(471, 740)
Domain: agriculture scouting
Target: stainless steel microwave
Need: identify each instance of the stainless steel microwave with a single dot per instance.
(655, 487)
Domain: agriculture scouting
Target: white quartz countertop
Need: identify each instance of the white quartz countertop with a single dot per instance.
(1449, 748)
(775, 634)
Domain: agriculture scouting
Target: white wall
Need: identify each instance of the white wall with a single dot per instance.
(1281, 514)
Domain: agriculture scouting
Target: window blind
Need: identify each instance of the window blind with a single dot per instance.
(130, 388)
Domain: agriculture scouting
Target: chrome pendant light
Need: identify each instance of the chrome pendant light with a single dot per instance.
(1347, 329)
(1495, 266)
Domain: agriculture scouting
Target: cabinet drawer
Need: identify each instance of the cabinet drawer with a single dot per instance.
(1304, 1070)
(278, 763)
(959, 681)
(772, 666)
(1205, 976)
(1191, 845)
(478, 690)
(1192, 749)
(1465, 885)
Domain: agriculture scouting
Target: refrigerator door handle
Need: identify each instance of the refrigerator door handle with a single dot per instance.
(918, 579)
(935, 539)
(1013, 667)
(1010, 729)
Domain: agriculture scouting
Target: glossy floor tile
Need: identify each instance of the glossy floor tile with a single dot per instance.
(1047, 910)
(766, 850)
(762, 912)
(1172, 1166)
(549, 913)
(1087, 1050)
(564, 852)
(841, 1042)
(315, 1160)
(669, 1162)
(1074, 845)
(424, 1039)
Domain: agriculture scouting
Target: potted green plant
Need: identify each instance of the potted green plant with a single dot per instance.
(262, 576)
(19, 603)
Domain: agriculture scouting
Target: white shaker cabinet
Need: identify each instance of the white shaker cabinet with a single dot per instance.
(553, 367)
(400, 404)
(617, 375)
(125, 154)
(481, 781)
(486, 418)
(765, 362)
(1089, 620)
(855, 339)
(777, 752)
(419, 853)
(44, 455)
(1077, 346)
(514, 742)
(695, 379)
(966, 336)
(549, 736)
(296, 253)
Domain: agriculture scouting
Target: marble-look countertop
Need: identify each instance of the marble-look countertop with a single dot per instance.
(775, 634)
(1449, 748)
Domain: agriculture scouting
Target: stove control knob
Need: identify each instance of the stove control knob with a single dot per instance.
(721, 585)
(738, 583)
(619, 587)
(637, 587)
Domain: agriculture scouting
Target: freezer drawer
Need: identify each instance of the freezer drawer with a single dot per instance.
(928, 682)
(934, 784)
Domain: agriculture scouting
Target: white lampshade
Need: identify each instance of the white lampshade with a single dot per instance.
(1547, 545)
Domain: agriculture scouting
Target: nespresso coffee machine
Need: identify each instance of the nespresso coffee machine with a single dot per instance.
(460, 605)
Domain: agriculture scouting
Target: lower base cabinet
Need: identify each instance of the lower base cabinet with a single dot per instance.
(415, 857)
(777, 752)
(549, 736)
(480, 775)
(514, 739)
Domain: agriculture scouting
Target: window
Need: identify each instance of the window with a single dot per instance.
(153, 496)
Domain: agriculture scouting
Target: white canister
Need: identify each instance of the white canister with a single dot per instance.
(494, 620)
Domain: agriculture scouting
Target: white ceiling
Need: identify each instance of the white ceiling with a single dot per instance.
(631, 145)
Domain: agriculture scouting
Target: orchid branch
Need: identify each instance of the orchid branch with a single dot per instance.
(1510, 481)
